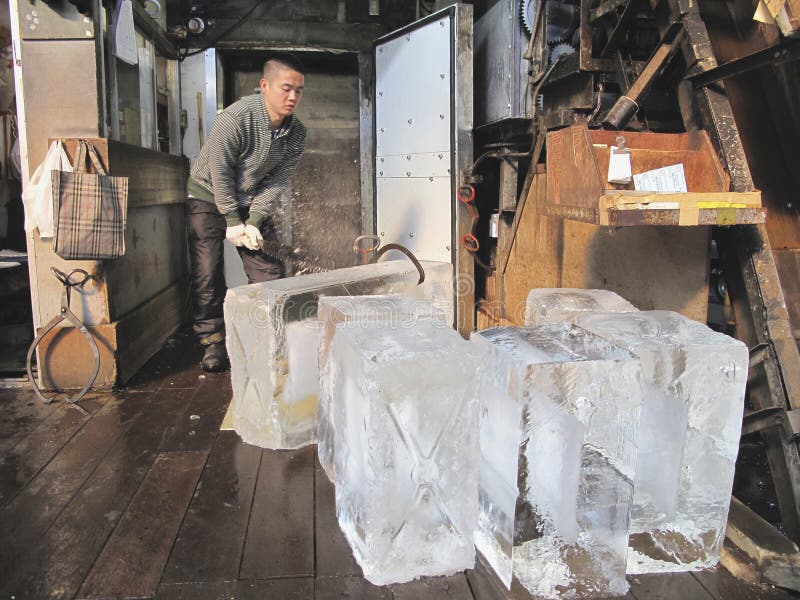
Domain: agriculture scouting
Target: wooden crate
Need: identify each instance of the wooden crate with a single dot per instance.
(577, 186)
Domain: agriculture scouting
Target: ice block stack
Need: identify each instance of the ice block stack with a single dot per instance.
(694, 382)
(565, 305)
(391, 311)
(272, 336)
(558, 435)
(406, 421)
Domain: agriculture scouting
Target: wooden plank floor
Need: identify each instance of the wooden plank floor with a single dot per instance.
(144, 497)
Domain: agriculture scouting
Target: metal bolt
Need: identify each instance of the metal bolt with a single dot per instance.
(383, 234)
(408, 157)
(430, 178)
(411, 235)
(409, 121)
(381, 129)
(440, 157)
(36, 20)
(32, 26)
(508, 106)
(382, 159)
(380, 93)
(28, 16)
(380, 50)
(441, 116)
(34, 13)
(88, 33)
(408, 38)
(441, 75)
(441, 23)
(381, 173)
(447, 248)
(408, 173)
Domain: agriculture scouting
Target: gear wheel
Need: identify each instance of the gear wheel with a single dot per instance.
(527, 13)
(559, 50)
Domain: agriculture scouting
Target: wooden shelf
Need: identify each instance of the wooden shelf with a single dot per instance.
(577, 189)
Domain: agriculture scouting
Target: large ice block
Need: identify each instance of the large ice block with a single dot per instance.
(388, 312)
(406, 461)
(272, 336)
(558, 432)
(694, 382)
(565, 305)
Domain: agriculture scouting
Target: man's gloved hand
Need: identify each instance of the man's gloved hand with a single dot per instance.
(251, 237)
(236, 234)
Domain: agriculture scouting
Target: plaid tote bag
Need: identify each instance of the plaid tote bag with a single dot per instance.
(89, 210)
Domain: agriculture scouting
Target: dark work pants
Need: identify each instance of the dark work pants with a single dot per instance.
(206, 233)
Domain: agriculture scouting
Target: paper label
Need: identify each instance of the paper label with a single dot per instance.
(669, 179)
(619, 166)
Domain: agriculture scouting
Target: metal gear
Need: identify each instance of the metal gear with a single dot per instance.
(559, 50)
(527, 13)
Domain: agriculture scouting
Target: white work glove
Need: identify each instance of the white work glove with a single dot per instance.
(236, 234)
(251, 237)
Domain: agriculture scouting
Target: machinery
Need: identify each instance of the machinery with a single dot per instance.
(630, 66)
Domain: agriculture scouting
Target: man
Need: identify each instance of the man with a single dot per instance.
(234, 192)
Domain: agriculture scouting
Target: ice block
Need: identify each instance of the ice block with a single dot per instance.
(558, 433)
(694, 383)
(406, 456)
(272, 336)
(392, 311)
(565, 305)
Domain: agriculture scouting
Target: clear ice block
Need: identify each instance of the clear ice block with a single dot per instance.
(564, 305)
(693, 397)
(406, 461)
(386, 311)
(558, 432)
(272, 336)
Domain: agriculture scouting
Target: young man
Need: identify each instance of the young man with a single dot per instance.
(234, 192)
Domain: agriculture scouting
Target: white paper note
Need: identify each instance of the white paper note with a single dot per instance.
(619, 166)
(669, 179)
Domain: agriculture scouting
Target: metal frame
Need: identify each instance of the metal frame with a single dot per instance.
(762, 316)
(461, 115)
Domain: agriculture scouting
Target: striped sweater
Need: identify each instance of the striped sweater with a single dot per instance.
(245, 164)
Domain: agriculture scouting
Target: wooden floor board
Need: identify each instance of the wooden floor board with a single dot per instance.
(199, 427)
(280, 537)
(24, 460)
(333, 554)
(356, 588)
(721, 584)
(454, 587)
(53, 567)
(25, 519)
(210, 541)
(284, 589)
(132, 561)
(217, 590)
(667, 586)
(180, 364)
(20, 413)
